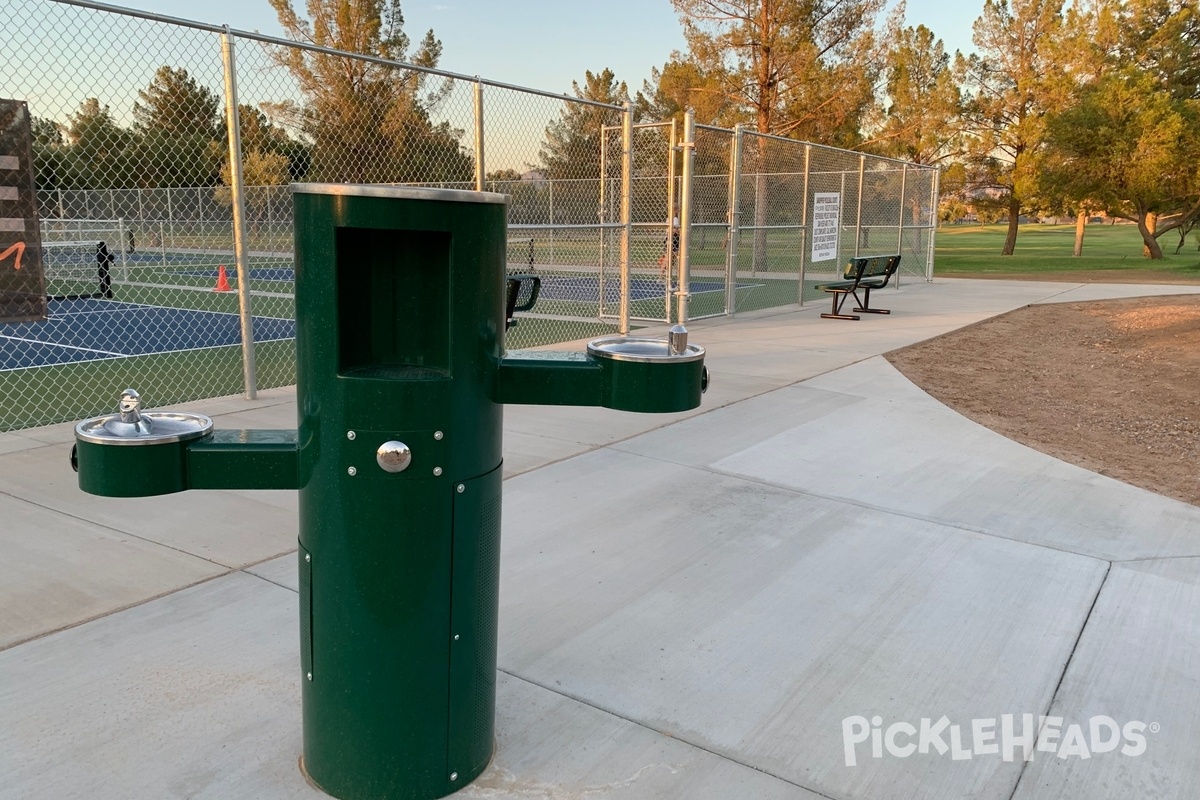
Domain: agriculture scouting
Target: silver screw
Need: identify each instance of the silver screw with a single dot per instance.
(437, 471)
(350, 435)
(310, 676)
(307, 557)
(461, 488)
(437, 435)
(351, 471)
(456, 637)
(453, 776)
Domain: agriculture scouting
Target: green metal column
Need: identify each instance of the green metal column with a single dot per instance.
(401, 316)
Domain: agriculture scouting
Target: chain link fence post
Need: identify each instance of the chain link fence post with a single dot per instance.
(934, 186)
(685, 214)
(237, 195)
(673, 220)
(602, 220)
(734, 216)
(900, 224)
(626, 214)
(479, 165)
(862, 168)
(804, 227)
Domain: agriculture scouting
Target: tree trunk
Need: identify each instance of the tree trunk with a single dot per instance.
(918, 239)
(1146, 224)
(1014, 213)
(759, 260)
(1081, 218)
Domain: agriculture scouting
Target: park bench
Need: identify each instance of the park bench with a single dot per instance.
(522, 288)
(866, 273)
(522, 293)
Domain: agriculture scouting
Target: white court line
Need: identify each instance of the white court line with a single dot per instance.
(213, 347)
(71, 314)
(66, 363)
(137, 355)
(64, 346)
(65, 314)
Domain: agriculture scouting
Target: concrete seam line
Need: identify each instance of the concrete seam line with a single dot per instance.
(1152, 559)
(128, 534)
(869, 507)
(117, 610)
(644, 726)
(1066, 667)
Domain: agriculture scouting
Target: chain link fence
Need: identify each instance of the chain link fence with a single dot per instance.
(164, 151)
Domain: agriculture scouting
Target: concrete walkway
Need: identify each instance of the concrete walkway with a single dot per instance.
(734, 602)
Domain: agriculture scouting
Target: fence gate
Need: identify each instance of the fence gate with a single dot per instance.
(639, 209)
(711, 247)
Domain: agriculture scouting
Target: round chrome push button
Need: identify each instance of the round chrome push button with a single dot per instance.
(393, 456)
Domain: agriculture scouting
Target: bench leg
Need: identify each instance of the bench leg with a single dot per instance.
(839, 298)
(866, 302)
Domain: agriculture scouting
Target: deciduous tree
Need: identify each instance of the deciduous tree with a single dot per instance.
(1013, 80)
(1162, 39)
(49, 154)
(1131, 150)
(683, 84)
(98, 148)
(802, 68)
(571, 146)
(174, 104)
(369, 122)
(922, 111)
(268, 159)
(178, 132)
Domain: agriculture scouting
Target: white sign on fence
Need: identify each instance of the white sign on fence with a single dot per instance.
(827, 207)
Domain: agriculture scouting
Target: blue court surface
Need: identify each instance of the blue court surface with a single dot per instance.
(91, 329)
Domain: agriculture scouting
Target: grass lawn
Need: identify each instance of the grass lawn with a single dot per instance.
(1111, 253)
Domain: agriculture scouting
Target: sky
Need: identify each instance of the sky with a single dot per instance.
(545, 44)
(538, 44)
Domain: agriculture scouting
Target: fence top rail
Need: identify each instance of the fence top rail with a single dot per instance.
(565, 226)
(275, 40)
(636, 126)
(777, 138)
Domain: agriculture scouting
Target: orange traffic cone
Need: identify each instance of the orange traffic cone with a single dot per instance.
(222, 280)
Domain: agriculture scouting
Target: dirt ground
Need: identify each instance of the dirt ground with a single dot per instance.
(1112, 386)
